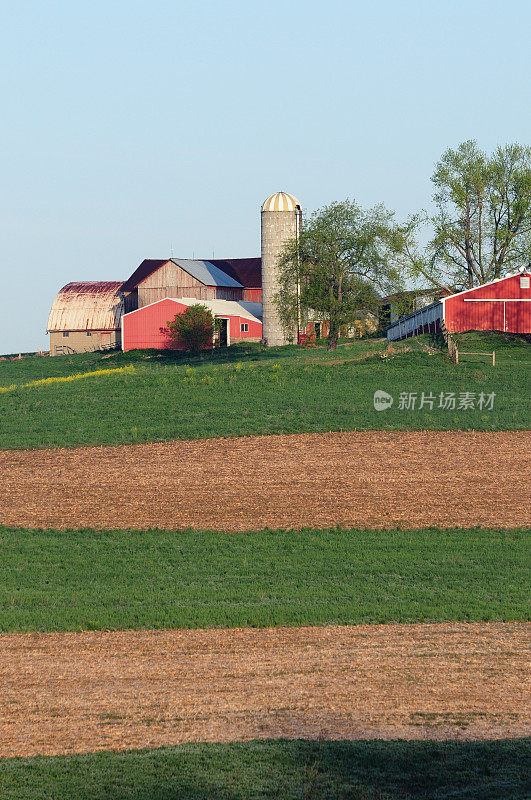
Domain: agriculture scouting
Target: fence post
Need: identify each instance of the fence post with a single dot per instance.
(493, 358)
(456, 356)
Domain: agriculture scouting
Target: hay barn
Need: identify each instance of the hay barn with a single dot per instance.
(180, 277)
(86, 316)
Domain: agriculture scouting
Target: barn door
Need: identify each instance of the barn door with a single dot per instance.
(221, 332)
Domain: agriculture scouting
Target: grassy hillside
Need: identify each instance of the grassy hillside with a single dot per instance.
(508, 347)
(74, 580)
(280, 770)
(246, 390)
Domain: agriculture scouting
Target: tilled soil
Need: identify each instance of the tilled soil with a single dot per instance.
(374, 479)
(79, 692)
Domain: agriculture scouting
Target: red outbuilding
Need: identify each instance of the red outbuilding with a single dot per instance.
(501, 305)
(147, 326)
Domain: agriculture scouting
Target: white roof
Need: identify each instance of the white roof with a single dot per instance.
(226, 308)
(87, 305)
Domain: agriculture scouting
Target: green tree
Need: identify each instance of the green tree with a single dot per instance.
(481, 229)
(338, 266)
(192, 329)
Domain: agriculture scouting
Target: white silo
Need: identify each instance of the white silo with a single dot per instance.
(281, 220)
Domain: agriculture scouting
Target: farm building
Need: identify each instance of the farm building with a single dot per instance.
(179, 277)
(86, 316)
(147, 326)
(501, 305)
(236, 280)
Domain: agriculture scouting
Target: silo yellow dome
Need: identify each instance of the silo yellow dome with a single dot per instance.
(281, 201)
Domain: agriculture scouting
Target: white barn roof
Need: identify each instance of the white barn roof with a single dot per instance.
(87, 305)
(226, 308)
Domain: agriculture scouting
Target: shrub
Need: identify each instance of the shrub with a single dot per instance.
(192, 329)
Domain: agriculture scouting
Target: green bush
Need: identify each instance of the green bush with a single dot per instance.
(193, 329)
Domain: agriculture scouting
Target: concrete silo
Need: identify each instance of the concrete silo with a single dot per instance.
(281, 220)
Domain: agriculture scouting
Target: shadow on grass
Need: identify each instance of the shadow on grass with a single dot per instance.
(357, 770)
(238, 351)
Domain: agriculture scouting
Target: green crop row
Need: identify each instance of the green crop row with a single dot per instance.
(75, 580)
(280, 770)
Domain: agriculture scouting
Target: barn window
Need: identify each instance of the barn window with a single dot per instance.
(244, 327)
(524, 282)
(66, 333)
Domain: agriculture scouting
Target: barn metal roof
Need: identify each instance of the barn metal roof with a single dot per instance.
(248, 271)
(206, 272)
(87, 305)
(414, 293)
(210, 273)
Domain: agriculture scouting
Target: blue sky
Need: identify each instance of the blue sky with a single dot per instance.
(133, 129)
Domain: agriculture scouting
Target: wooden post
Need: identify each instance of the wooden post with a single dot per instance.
(493, 358)
(456, 356)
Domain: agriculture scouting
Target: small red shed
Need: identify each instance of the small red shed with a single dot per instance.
(146, 327)
(501, 305)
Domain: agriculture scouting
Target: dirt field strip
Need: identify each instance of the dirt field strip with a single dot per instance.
(374, 479)
(66, 693)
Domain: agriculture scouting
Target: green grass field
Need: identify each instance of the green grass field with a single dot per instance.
(245, 390)
(75, 580)
(508, 347)
(79, 580)
(280, 770)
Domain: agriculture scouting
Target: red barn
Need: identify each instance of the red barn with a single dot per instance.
(146, 327)
(501, 305)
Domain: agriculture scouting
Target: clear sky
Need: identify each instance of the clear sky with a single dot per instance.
(131, 130)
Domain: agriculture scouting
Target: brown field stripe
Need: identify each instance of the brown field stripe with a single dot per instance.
(375, 479)
(79, 692)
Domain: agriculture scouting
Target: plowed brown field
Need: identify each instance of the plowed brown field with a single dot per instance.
(77, 692)
(373, 479)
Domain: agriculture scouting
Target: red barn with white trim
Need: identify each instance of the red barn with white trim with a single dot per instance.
(146, 327)
(501, 305)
